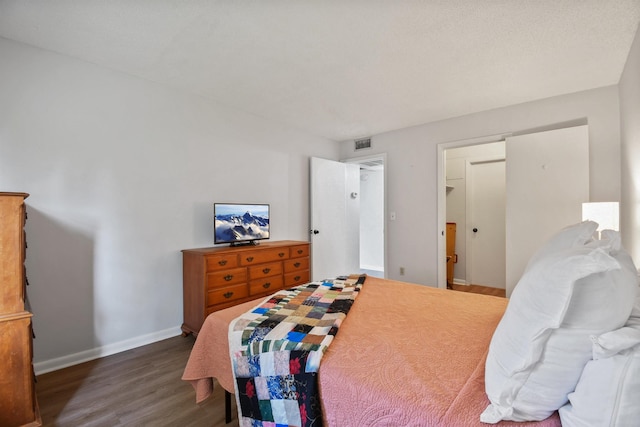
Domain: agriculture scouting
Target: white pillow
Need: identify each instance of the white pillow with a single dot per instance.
(553, 377)
(634, 317)
(609, 389)
(543, 342)
(612, 343)
(569, 347)
(608, 238)
(537, 307)
(603, 301)
(569, 237)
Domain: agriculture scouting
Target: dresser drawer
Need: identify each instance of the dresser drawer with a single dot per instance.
(299, 251)
(268, 284)
(296, 278)
(220, 277)
(295, 264)
(265, 270)
(221, 261)
(264, 255)
(226, 278)
(230, 293)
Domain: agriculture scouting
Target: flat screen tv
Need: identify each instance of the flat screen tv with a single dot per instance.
(240, 224)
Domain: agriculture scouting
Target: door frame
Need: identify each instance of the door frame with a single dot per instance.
(383, 157)
(441, 180)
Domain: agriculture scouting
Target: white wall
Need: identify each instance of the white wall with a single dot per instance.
(629, 89)
(122, 175)
(412, 168)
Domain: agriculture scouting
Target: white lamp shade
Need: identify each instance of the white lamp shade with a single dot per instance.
(606, 214)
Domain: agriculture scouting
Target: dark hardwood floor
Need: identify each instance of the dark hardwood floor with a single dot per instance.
(139, 387)
(477, 289)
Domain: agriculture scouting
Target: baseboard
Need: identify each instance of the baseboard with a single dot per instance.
(460, 282)
(103, 351)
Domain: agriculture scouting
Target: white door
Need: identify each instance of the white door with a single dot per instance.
(547, 182)
(485, 228)
(335, 218)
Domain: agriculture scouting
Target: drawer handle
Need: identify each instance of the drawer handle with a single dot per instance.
(281, 254)
(266, 270)
(296, 278)
(300, 251)
(228, 277)
(296, 264)
(222, 262)
(249, 258)
(267, 285)
(227, 295)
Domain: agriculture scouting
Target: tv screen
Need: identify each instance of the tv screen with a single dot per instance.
(239, 224)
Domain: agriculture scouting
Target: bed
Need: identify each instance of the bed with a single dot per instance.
(409, 354)
(419, 361)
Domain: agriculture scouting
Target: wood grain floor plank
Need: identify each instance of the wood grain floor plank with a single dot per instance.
(139, 387)
(478, 289)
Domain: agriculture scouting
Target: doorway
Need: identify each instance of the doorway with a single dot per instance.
(372, 213)
(475, 203)
(547, 180)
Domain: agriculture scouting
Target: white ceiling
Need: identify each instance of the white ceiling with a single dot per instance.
(343, 68)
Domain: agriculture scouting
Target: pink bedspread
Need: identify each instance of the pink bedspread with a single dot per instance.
(406, 355)
(411, 355)
(209, 357)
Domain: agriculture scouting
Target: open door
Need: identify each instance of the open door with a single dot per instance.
(335, 218)
(547, 181)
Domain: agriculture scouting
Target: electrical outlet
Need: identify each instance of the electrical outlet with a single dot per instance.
(402, 271)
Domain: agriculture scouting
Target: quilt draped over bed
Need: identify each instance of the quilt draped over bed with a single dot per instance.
(276, 350)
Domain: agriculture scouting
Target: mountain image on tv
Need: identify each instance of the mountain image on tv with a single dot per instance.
(238, 224)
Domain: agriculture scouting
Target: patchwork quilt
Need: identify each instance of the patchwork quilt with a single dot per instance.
(276, 350)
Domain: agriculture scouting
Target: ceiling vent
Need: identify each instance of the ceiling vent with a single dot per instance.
(362, 143)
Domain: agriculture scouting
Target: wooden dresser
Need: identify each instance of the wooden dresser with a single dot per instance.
(18, 405)
(220, 277)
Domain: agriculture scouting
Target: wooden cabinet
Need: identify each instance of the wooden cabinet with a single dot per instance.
(452, 258)
(221, 277)
(18, 405)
